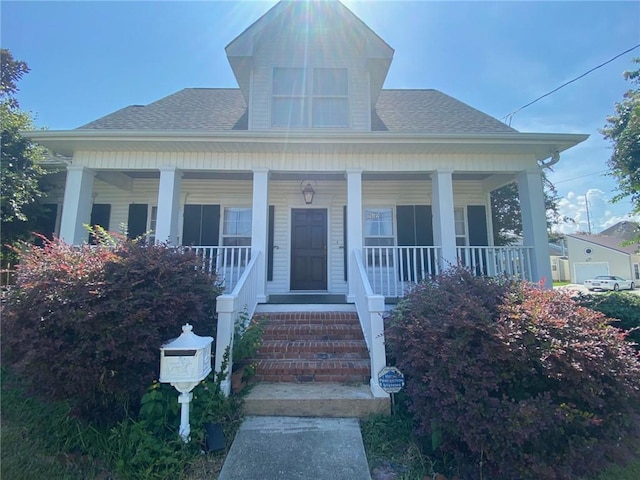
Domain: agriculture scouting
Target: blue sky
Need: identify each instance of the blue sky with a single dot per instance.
(89, 59)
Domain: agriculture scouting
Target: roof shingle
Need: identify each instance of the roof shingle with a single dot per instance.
(220, 110)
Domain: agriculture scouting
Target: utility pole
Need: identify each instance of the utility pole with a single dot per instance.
(586, 202)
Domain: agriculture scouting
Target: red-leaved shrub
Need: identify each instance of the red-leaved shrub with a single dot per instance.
(517, 382)
(85, 323)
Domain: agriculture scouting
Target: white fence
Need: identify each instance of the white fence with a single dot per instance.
(228, 263)
(392, 270)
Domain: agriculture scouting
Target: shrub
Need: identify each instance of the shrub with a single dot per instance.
(621, 306)
(85, 323)
(515, 381)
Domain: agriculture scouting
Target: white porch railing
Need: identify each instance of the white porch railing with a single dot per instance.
(243, 298)
(228, 263)
(497, 261)
(392, 270)
(370, 308)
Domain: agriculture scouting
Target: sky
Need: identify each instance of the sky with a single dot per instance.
(88, 59)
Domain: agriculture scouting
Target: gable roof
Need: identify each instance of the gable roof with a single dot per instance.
(220, 110)
(606, 241)
(302, 20)
(623, 230)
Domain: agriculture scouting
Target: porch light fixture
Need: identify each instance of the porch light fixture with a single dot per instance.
(307, 192)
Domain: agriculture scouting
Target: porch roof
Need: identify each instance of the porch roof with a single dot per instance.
(538, 145)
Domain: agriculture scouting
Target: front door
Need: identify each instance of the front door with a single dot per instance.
(308, 249)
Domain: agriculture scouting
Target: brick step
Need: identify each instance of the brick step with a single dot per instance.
(321, 331)
(313, 349)
(304, 371)
(307, 318)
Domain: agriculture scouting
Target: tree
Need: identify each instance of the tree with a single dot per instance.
(22, 176)
(507, 217)
(623, 130)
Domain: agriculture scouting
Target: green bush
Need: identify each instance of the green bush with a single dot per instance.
(622, 306)
(85, 323)
(515, 381)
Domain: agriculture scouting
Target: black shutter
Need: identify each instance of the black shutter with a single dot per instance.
(406, 225)
(477, 218)
(100, 213)
(210, 222)
(345, 251)
(201, 225)
(424, 225)
(137, 220)
(48, 220)
(191, 224)
(415, 228)
(270, 245)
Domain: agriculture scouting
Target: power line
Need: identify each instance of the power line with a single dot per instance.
(581, 176)
(509, 116)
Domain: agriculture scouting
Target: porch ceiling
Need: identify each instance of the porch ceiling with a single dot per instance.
(540, 145)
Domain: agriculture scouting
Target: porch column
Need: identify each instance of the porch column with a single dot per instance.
(444, 226)
(534, 224)
(168, 205)
(355, 237)
(260, 228)
(76, 207)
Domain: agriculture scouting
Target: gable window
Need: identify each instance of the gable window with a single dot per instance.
(313, 97)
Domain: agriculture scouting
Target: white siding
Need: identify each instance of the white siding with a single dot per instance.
(619, 263)
(304, 162)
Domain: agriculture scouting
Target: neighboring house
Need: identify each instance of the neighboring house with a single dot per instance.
(591, 255)
(558, 255)
(310, 177)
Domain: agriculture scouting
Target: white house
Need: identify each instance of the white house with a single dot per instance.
(591, 255)
(310, 177)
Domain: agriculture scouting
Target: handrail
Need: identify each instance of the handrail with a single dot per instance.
(243, 298)
(370, 308)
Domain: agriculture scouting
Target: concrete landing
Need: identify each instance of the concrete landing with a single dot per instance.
(294, 448)
(313, 400)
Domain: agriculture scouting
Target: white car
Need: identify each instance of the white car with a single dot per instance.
(608, 282)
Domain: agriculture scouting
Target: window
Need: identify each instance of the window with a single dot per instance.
(378, 232)
(316, 97)
(236, 230)
(461, 226)
(153, 220)
(330, 97)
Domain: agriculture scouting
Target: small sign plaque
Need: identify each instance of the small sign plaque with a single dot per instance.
(391, 379)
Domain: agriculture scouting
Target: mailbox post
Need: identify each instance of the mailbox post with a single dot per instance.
(185, 361)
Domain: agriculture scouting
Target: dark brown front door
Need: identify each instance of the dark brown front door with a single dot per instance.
(309, 249)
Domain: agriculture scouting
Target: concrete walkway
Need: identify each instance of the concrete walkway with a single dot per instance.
(297, 448)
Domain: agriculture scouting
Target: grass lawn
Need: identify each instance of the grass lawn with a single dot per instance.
(39, 440)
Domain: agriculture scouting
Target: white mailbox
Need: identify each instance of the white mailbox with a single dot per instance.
(185, 359)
